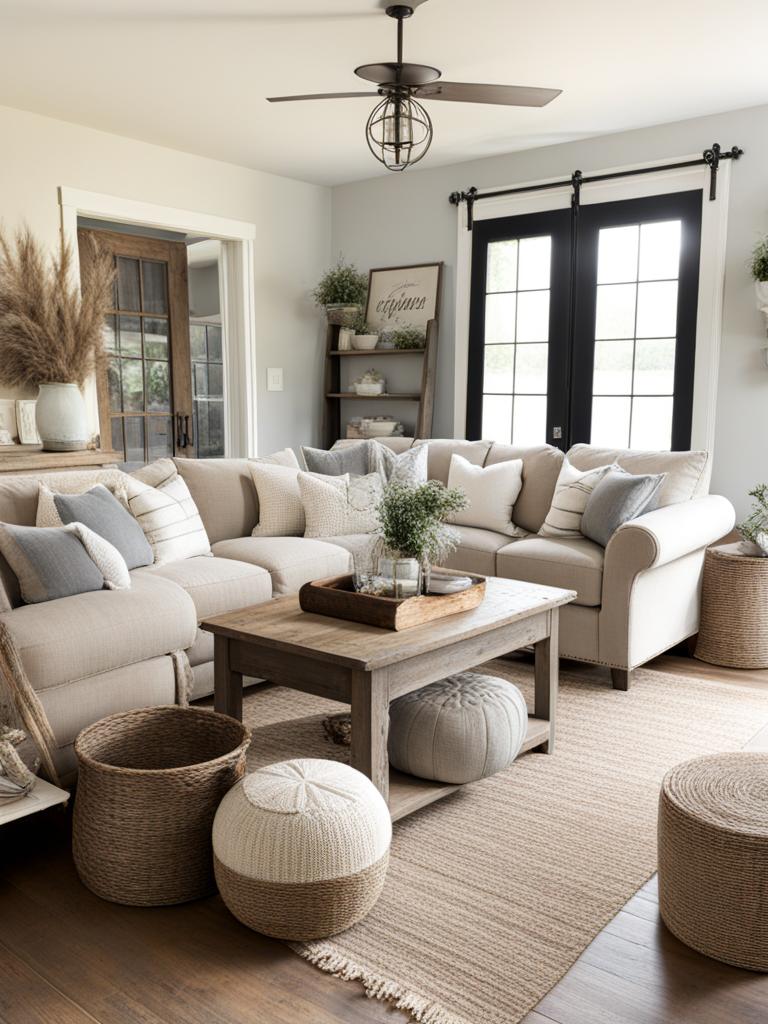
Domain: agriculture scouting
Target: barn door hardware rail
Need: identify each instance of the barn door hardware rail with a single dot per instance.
(710, 157)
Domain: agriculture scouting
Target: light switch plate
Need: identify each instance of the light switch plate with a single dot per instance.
(274, 378)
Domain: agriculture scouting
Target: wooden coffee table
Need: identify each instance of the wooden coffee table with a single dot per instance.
(367, 667)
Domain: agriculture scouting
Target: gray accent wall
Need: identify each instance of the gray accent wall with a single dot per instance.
(406, 218)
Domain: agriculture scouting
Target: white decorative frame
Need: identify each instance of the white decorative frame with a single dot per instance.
(714, 229)
(8, 416)
(26, 421)
(237, 288)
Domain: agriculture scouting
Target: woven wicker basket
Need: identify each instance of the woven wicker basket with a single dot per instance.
(734, 609)
(713, 856)
(148, 788)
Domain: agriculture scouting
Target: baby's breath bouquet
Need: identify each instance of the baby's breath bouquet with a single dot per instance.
(412, 520)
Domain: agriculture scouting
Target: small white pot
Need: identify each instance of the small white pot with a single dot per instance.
(364, 342)
(61, 419)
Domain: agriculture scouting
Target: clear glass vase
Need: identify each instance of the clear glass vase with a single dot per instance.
(400, 577)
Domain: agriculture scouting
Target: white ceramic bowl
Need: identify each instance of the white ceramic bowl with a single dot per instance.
(364, 342)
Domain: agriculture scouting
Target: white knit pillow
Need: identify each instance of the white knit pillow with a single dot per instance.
(491, 491)
(281, 512)
(340, 505)
(105, 557)
(572, 492)
(167, 513)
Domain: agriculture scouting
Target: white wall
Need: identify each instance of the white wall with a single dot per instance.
(406, 218)
(291, 250)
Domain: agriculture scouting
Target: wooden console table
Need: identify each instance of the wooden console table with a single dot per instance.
(30, 458)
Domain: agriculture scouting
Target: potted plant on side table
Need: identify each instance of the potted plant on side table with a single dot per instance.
(52, 332)
(415, 534)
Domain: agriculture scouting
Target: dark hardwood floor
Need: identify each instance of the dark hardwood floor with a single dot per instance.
(67, 957)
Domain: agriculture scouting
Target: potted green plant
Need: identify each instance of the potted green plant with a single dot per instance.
(414, 532)
(759, 267)
(405, 338)
(52, 331)
(365, 338)
(342, 291)
(754, 529)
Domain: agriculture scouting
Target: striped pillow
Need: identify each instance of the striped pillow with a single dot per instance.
(167, 514)
(572, 492)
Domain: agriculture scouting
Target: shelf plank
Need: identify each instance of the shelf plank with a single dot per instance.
(378, 352)
(375, 398)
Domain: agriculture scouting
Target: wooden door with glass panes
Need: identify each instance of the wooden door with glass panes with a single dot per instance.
(145, 393)
(207, 388)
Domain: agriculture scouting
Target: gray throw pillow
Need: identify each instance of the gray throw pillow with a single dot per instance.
(357, 460)
(616, 499)
(49, 562)
(101, 512)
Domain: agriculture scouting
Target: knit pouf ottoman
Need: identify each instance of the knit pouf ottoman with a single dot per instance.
(459, 729)
(301, 848)
(713, 857)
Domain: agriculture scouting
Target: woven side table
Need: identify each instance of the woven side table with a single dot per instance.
(734, 609)
(713, 857)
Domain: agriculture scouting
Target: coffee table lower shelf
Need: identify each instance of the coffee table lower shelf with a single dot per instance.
(408, 793)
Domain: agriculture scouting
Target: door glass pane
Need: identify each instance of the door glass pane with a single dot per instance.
(215, 380)
(214, 344)
(201, 379)
(613, 368)
(113, 385)
(615, 316)
(530, 372)
(660, 250)
(499, 369)
(501, 275)
(657, 310)
(610, 422)
(651, 423)
(155, 338)
(497, 418)
(159, 437)
(133, 385)
(500, 318)
(534, 263)
(110, 334)
(130, 335)
(158, 387)
(209, 429)
(617, 254)
(533, 316)
(128, 292)
(529, 424)
(655, 366)
(197, 341)
(134, 438)
(155, 287)
(117, 435)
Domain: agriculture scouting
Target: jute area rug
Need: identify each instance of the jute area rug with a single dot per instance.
(495, 891)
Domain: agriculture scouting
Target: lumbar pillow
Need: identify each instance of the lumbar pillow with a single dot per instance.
(491, 492)
(336, 506)
(166, 513)
(572, 492)
(409, 467)
(54, 562)
(357, 459)
(616, 499)
(281, 511)
(101, 512)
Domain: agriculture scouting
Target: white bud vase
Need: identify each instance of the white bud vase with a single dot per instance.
(61, 419)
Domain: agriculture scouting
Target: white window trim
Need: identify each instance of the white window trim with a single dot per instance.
(709, 319)
(237, 296)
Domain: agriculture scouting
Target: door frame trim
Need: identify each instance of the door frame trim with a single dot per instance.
(709, 318)
(238, 297)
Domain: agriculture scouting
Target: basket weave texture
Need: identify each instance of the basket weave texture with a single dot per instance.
(734, 609)
(713, 857)
(148, 787)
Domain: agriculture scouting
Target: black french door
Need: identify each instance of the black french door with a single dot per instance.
(583, 324)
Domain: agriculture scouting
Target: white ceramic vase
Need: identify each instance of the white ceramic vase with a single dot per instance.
(61, 419)
(364, 342)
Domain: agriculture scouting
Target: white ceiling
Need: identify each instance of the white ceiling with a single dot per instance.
(194, 74)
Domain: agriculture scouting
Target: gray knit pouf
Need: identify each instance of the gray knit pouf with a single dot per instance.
(459, 729)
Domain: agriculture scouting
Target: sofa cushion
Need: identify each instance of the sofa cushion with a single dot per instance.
(541, 467)
(687, 476)
(224, 494)
(290, 561)
(87, 634)
(491, 493)
(575, 564)
(476, 551)
(216, 585)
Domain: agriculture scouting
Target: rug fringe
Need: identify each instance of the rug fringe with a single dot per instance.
(324, 956)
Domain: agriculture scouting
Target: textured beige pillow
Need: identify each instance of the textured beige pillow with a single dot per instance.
(491, 491)
(340, 505)
(281, 512)
(572, 492)
(166, 513)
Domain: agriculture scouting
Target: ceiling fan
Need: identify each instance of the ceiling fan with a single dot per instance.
(399, 130)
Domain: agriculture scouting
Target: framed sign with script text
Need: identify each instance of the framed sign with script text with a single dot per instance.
(403, 296)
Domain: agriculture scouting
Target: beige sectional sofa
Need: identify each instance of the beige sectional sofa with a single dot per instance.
(92, 654)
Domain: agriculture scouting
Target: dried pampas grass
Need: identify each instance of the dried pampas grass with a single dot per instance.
(51, 331)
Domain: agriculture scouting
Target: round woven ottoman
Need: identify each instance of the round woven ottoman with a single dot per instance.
(713, 857)
(459, 729)
(734, 609)
(301, 848)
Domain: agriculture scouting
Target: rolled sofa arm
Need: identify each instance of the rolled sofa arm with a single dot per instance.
(668, 533)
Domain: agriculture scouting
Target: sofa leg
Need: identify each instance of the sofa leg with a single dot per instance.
(621, 677)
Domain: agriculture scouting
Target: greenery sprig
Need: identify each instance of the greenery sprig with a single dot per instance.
(412, 520)
(760, 261)
(341, 284)
(408, 337)
(757, 520)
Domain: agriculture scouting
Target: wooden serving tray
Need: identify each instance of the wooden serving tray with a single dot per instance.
(337, 597)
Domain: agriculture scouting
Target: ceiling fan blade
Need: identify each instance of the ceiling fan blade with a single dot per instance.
(469, 92)
(319, 96)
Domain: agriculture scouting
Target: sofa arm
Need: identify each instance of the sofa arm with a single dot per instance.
(669, 533)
